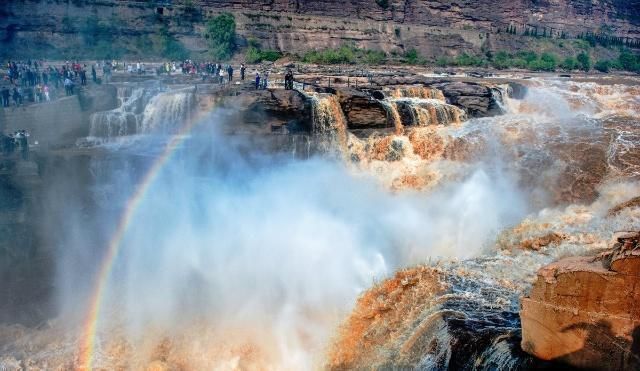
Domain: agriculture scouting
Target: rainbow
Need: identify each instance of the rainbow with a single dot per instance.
(90, 325)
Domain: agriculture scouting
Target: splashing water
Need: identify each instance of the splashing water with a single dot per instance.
(251, 261)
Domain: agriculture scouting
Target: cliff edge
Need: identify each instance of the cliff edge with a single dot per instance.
(585, 311)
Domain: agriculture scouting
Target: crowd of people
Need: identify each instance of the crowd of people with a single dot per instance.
(37, 81)
(33, 81)
(214, 72)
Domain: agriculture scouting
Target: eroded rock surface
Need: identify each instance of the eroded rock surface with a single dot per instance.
(585, 311)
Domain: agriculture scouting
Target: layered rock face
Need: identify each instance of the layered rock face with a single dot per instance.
(585, 312)
(433, 27)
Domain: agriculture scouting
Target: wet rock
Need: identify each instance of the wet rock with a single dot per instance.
(418, 320)
(99, 98)
(633, 203)
(539, 243)
(476, 99)
(585, 312)
(272, 110)
(516, 90)
(361, 110)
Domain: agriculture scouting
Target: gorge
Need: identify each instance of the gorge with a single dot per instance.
(193, 185)
(190, 226)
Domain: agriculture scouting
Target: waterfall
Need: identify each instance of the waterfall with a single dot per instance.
(502, 96)
(166, 112)
(122, 120)
(329, 122)
(428, 111)
(420, 106)
(418, 92)
(141, 112)
(393, 115)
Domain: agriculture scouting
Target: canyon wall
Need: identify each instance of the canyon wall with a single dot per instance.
(435, 27)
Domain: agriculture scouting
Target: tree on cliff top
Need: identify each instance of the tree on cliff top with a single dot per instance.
(221, 33)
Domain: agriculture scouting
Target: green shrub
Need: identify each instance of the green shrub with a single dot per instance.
(412, 56)
(221, 34)
(443, 62)
(374, 56)
(469, 60)
(569, 64)
(629, 61)
(527, 55)
(502, 60)
(255, 55)
(346, 54)
(602, 65)
(547, 62)
(519, 63)
(584, 61)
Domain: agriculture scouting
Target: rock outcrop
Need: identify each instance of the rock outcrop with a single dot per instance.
(269, 111)
(477, 100)
(361, 110)
(585, 311)
(435, 28)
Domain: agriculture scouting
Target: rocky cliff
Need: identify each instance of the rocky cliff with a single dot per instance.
(585, 312)
(433, 27)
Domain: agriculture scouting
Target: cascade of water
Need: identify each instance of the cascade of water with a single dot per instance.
(501, 94)
(122, 120)
(418, 92)
(329, 122)
(428, 111)
(393, 115)
(167, 111)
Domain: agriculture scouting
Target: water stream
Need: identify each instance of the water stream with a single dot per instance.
(238, 258)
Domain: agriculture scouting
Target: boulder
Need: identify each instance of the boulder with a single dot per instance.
(272, 110)
(585, 311)
(361, 110)
(476, 99)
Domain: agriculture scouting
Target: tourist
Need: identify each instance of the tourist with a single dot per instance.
(288, 80)
(265, 81)
(230, 73)
(17, 98)
(83, 76)
(45, 90)
(6, 93)
(68, 86)
(242, 70)
(257, 80)
(38, 93)
(94, 75)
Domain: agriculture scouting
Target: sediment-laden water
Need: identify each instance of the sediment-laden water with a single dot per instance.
(213, 252)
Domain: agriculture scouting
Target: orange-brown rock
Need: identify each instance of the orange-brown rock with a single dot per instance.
(634, 202)
(538, 243)
(384, 322)
(585, 312)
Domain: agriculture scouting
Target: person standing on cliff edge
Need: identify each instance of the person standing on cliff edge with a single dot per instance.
(230, 73)
(5, 96)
